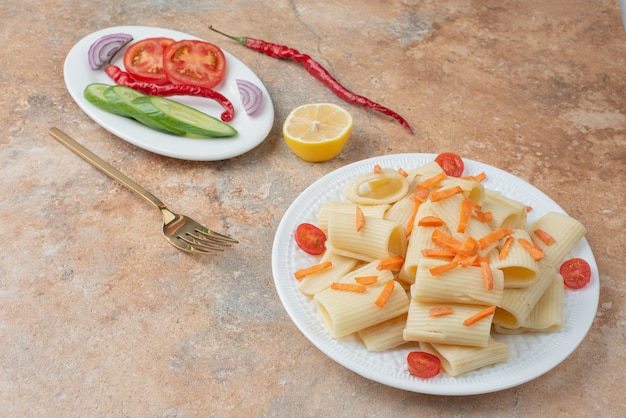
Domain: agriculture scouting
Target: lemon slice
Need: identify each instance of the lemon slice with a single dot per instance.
(318, 131)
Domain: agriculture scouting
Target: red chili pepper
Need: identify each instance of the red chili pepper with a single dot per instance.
(125, 79)
(316, 70)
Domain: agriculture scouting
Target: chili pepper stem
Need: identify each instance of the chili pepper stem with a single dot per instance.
(240, 39)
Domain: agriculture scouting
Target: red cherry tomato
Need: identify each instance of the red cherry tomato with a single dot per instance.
(310, 239)
(198, 63)
(144, 60)
(576, 273)
(422, 364)
(451, 163)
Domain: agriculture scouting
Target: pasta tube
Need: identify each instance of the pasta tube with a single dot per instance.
(504, 211)
(519, 267)
(319, 281)
(375, 211)
(456, 360)
(565, 230)
(385, 187)
(384, 336)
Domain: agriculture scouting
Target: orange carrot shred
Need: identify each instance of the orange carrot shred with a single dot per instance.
(430, 221)
(506, 248)
(360, 219)
(544, 237)
(442, 268)
(377, 169)
(391, 263)
(365, 280)
(479, 260)
(487, 275)
(468, 247)
(445, 193)
(431, 181)
(528, 208)
(464, 215)
(532, 249)
(494, 236)
(385, 294)
(307, 271)
(348, 287)
(447, 241)
(483, 217)
(440, 311)
(402, 172)
(411, 223)
(421, 195)
(479, 315)
(465, 260)
(437, 253)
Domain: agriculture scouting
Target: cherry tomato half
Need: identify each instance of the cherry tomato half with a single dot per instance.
(451, 163)
(310, 239)
(576, 273)
(198, 63)
(422, 364)
(144, 60)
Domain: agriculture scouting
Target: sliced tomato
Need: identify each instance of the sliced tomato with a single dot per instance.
(310, 239)
(198, 63)
(451, 163)
(576, 273)
(422, 364)
(144, 60)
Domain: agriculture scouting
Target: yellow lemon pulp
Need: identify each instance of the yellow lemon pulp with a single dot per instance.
(317, 132)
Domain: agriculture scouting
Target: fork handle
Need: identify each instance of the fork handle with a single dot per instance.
(103, 166)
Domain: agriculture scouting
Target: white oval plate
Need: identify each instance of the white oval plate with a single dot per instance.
(531, 354)
(252, 129)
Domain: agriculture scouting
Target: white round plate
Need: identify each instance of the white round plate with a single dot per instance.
(252, 129)
(531, 354)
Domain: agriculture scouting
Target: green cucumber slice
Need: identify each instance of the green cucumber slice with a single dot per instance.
(122, 97)
(176, 115)
(94, 94)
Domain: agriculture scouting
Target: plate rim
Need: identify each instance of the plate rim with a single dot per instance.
(286, 289)
(213, 149)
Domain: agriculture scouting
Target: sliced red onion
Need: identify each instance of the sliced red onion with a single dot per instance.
(102, 50)
(251, 95)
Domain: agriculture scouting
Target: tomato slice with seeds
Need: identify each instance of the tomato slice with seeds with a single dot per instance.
(144, 60)
(310, 239)
(451, 163)
(576, 273)
(422, 364)
(194, 62)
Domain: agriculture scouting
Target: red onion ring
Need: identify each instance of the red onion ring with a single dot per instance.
(251, 95)
(103, 49)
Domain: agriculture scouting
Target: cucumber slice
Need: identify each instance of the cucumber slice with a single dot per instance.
(122, 97)
(94, 94)
(176, 115)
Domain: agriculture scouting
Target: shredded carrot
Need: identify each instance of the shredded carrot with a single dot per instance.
(506, 248)
(360, 219)
(483, 217)
(307, 271)
(479, 315)
(385, 294)
(544, 237)
(365, 280)
(446, 241)
(445, 193)
(468, 247)
(532, 249)
(441, 311)
(465, 260)
(431, 181)
(430, 221)
(391, 263)
(377, 169)
(442, 268)
(528, 208)
(402, 172)
(437, 253)
(479, 260)
(494, 236)
(421, 195)
(478, 177)
(411, 223)
(348, 287)
(464, 215)
(487, 275)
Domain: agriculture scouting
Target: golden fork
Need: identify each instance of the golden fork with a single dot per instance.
(181, 231)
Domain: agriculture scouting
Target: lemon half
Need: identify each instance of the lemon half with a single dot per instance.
(318, 131)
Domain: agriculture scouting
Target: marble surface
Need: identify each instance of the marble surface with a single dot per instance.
(96, 322)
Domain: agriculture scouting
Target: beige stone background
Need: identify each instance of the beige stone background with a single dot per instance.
(96, 323)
